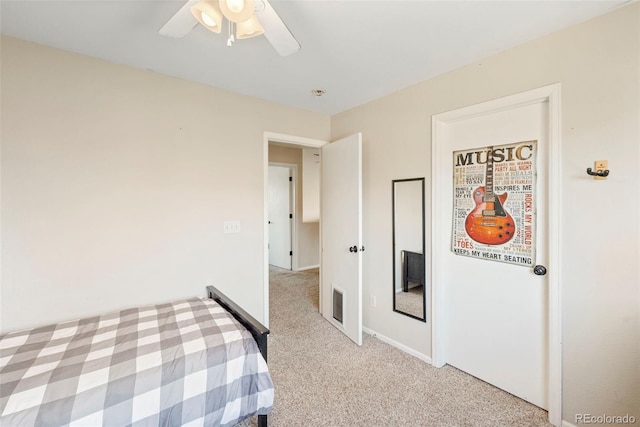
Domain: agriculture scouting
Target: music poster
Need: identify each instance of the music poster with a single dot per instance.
(494, 203)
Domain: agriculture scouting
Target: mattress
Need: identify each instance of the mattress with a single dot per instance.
(182, 363)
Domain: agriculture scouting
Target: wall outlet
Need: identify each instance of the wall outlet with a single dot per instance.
(231, 227)
(372, 300)
(600, 165)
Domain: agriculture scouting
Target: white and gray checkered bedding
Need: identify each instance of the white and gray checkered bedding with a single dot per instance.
(182, 363)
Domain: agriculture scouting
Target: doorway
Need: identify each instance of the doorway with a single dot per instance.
(290, 141)
(495, 320)
(340, 247)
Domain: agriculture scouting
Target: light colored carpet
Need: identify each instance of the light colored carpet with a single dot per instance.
(323, 379)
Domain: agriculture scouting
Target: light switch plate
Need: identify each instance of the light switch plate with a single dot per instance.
(231, 227)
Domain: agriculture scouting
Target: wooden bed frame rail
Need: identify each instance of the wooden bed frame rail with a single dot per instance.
(257, 329)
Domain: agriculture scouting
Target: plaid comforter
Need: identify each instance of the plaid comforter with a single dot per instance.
(183, 363)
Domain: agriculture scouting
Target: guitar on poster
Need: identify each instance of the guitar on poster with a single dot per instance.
(485, 225)
(488, 222)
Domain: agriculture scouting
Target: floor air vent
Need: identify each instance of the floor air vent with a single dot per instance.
(337, 305)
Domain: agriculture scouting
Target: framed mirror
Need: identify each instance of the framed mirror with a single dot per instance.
(409, 273)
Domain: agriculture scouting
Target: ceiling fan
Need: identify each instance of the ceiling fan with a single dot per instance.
(249, 18)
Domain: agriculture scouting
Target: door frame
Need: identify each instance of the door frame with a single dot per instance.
(294, 141)
(551, 95)
(293, 172)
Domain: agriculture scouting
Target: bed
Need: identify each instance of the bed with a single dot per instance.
(195, 362)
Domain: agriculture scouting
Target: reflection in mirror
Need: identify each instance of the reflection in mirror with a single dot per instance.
(408, 247)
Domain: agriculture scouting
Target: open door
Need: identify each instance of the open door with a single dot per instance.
(341, 217)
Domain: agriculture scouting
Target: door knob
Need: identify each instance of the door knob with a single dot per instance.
(353, 249)
(539, 270)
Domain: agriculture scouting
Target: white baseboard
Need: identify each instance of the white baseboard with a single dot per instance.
(309, 267)
(567, 424)
(398, 345)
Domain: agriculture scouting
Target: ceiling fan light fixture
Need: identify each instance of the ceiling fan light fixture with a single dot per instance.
(249, 28)
(209, 22)
(235, 6)
(257, 17)
(208, 14)
(236, 10)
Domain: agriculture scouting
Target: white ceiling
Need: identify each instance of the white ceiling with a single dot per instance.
(356, 50)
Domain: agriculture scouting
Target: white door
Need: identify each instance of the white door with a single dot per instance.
(279, 220)
(341, 222)
(496, 314)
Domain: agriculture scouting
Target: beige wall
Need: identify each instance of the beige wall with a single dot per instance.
(308, 233)
(116, 183)
(598, 66)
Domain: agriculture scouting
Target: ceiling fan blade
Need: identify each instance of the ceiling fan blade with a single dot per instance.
(275, 30)
(181, 23)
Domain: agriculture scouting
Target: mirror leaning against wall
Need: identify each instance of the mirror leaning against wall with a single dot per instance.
(408, 247)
